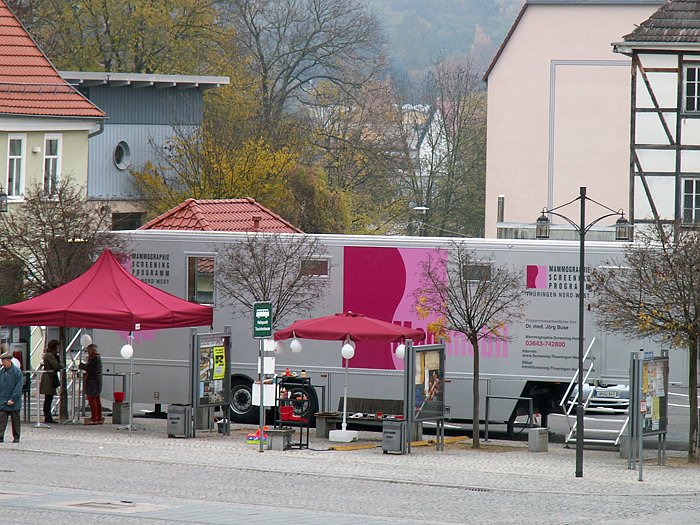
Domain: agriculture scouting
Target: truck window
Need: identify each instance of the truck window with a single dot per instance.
(315, 267)
(477, 272)
(200, 280)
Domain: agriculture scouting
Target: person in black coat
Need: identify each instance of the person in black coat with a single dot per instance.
(93, 384)
(49, 379)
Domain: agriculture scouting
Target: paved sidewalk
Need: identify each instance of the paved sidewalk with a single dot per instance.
(213, 478)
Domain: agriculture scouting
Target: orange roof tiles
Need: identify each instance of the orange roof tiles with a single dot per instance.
(29, 84)
(229, 215)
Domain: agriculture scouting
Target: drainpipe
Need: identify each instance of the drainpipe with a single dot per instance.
(100, 129)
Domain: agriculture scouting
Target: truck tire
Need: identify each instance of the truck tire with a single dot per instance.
(308, 409)
(242, 408)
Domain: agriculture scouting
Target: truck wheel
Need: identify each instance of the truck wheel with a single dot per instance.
(242, 408)
(307, 408)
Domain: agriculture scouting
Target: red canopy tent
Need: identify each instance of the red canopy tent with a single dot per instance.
(351, 325)
(107, 296)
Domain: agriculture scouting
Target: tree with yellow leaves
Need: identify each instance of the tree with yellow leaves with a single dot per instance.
(228, 157)
(654, 291)
(144, 36)
(473, 296)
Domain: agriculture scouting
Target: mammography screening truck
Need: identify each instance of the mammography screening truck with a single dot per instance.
(377, 276)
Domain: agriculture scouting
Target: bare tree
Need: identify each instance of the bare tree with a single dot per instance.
(361, 142)
(446, 138)
(294, 44)
(282, 268)
(53, 239)
(474, 297)
(48, 241)
(655, 291)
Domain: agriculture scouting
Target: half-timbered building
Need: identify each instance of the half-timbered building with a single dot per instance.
(665, 115)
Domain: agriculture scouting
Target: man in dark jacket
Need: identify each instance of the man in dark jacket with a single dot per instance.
(11, 382)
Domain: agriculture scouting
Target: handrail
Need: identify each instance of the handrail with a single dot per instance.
(574, 379)
(40, 342)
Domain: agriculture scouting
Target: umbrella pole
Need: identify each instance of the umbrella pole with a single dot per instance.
(345, 398)
(344, 435)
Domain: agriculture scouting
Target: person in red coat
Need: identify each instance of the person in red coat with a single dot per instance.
(93, 384)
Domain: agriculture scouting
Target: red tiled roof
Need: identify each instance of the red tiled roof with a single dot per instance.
(29, 84)
(229, 215)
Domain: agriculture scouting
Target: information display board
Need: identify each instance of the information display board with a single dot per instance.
(429, 400)
(654, 399)
(648, 406)
(424, 390)
(213, 358)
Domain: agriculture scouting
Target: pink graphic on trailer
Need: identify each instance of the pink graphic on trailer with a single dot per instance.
(536, 276)
(381, 283)
(374, 282)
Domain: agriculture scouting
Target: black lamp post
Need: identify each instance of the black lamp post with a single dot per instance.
(622, 233)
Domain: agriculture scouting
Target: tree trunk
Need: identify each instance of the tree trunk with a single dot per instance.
(475, 392)
(693, 397)
(63, 411)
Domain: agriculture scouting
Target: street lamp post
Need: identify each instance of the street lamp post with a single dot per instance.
(622, 233)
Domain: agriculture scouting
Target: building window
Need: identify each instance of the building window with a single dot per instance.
(122, 155)
(691, 201)
(126, 221)
(52, 163)
(315, 267)
(200, 280)
(692, 88)
(16, 145)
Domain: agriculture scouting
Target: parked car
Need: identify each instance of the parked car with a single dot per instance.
(604, 398)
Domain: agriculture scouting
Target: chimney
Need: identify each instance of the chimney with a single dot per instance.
(256, 222)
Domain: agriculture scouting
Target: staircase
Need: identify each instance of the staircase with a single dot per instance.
(596, 430)
(76, 403)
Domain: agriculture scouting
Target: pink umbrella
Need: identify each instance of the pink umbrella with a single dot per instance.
(348, 326)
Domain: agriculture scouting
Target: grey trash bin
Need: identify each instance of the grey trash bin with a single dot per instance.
(394, 436)
(179, 421)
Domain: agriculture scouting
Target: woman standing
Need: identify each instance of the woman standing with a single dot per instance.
(93, 384)
(49, 379)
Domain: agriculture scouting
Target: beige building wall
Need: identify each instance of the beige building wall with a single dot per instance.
(73, 156)
(559, 112)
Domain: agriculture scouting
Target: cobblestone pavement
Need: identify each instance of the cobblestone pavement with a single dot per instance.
(98, 474)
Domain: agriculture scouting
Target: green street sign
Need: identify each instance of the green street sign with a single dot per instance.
(262, 319)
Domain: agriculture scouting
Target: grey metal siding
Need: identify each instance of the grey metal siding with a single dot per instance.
(149, 106)
(105, 180)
